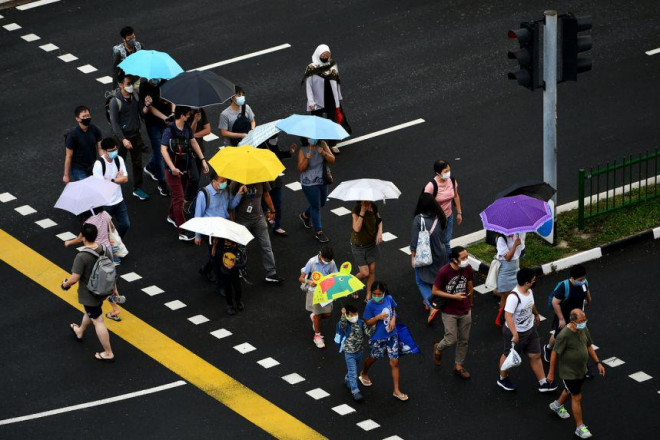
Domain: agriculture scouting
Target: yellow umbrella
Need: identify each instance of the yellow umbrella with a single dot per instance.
(247, 164)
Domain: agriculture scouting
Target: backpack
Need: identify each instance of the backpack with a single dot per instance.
(341, 335)
(179, 145)
(102, 160)
(240, 125)
(103, 278)
(499, 320)
(567, 288)
(190, 212)
(435, 186)
(109, 96)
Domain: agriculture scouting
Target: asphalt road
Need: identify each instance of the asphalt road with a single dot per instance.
(399, 61)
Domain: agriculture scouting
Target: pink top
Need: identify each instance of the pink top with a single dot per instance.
(102, 223)
(445, 194)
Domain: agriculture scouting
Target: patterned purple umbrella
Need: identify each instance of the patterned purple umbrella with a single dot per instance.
(520, 213)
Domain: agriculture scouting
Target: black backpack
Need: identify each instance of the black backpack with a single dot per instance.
(190, 212)
(241, 125)
(179, 144)
(102, 160)
(109, 96)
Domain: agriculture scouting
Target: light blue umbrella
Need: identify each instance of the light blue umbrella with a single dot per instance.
(312, 127)
(150, 64)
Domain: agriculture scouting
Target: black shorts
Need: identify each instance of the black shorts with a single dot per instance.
(573, 386)
(528, 341)
(93, 311)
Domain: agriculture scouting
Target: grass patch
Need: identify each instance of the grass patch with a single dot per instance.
(598, 231)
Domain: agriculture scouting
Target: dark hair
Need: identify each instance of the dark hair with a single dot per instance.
(350, 308)
(327, 252)
(84, 216)
(427, 205)
(89, 232)
(380, 285)
(440, 165)
(180, 110)
(578, 271)
(126, 31)
(238, 89)
(573, 317)
(525, 275)
(455, 252)
(121, 75)
(212, 174)
(108, 143)
(78, 110)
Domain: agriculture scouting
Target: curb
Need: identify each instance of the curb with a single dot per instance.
(579, 258)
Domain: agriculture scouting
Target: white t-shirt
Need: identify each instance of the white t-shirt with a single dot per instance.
(111, 172)
(503, 247)
(523, 312)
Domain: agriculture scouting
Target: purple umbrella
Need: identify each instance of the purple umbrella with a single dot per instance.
(520, 213)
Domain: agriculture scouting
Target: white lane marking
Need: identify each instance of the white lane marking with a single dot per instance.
(340, 211)
(31, 37)
(482, 289)
(640, 376)
(244, 57)
(293, 378)
(564, 263)
(342, 410)
(368, 425)
(245, 347)
(268, 362)
(87, 68)
(104, 79)
(12, 27)
(653, 52)
(406, 250)
(48, 47)
(131, 276)
(210, 137)
(153, 290)
(388, 236)
(393, 437)
(46, 223)
(80, 248)
(613, 362)
(64, 236)
(542, 318)
(175, 305)
(381, 132)
(221, 333)
(198, 319)
(36, 4)
(6, 197)
(68, 57)
(25, 210)
(94, 403)
(317, 393)
(595, 347)
(656, 233)
(294, 186)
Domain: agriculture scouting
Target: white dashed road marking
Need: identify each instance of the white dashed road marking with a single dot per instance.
(175, 305)
(317, 393)
(406, 250)
(394, 437)
(104, 79)
(46, 223)
(68, 57)
(221, 333)
(613, 362)
(152, 290)
(381, 132)
(388, 236)
(36, 4)
(294, 186)
(640, 376)
(31, 37)
(131, 276)
(198, 319)
(12, 27)
(245, 347)
(481, 288)
(25, 210)
(340, 211)
(210, 137)
(342, 410)
(653, 52)
(244, 57)
(6, 197)
(368, 425)
(87, 68)
(48, 47)
(293, 378)
(268, 362)
(64, 236)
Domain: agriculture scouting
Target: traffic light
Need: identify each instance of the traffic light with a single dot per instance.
(572, 44)
(528, 56)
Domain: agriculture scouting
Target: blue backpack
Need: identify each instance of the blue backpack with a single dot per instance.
(342, 335)
(567, 288)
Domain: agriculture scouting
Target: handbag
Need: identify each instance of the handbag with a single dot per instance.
(423, 255)
(119, 249)
(327, 174)
(491, 278)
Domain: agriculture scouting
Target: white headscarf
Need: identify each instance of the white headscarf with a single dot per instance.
(316, 58)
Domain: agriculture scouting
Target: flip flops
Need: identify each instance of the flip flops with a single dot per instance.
(402, 397)
(365, 382)
(113, 317)
(71, 326)
(100, 357)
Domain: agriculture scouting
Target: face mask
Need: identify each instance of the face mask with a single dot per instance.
(113, 154)
(86, 121)
(580, 283)
(446, 175)
(464, 263)
(324, 60)
(323, 262)
(128, 89)
(272, 141)
(581, 326)
(222, 186)
(352, 319)
(154, 81)
(378, 299)
(240, 100)
(131, 42)
(313, 141)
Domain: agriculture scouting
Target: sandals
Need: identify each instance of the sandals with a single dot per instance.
(462, 373)
(71, 326)
(402, 397)
(437, 355)
(99, 357)
(365, 382)
(113, 317)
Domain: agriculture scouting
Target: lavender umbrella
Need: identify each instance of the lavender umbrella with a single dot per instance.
(520, 213)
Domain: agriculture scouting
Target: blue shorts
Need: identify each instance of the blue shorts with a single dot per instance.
(378, 348)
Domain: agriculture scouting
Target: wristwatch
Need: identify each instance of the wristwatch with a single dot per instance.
(112, 180)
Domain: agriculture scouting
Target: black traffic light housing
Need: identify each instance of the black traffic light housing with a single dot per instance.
(572, 44)
(528, 56)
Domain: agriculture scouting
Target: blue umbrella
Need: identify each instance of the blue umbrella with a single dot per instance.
(150, 64)
(312, 127)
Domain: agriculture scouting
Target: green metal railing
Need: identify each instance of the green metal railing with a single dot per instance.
(617, 184)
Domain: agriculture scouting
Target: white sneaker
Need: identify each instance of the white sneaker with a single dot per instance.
(559, 410)
(318, 341)
(583, 432)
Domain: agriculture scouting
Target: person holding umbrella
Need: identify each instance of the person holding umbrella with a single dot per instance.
(310, 165)
(509, 251)
(366, 235)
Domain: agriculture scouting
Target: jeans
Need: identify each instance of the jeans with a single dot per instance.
(457, 331)
(156, 164)
(353, 361)
(120, 212)
(276, 197)
(259, 229)
(424, 289)
(447, 237)
(316, 195)
(136, 158)
(76, 174)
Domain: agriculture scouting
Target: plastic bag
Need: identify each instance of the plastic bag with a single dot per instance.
(119, 250)
(491, 278)
(512, 360)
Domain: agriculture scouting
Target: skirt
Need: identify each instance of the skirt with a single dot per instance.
(506, 278)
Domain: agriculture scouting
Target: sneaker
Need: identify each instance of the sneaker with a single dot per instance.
(547, 350)
(150, 174)
(583, 432)
(559, 410)
(432, 314)
(140, 194)
(318, 341)
(240, 306)
(186, 236)
(358, 397)
(437, 355)
(231, 311)
(171, 221)
(117, 261)
(307, 222)
(274, 279)
(208, 276)
(320, 236)
(506, 384)
(548, 387)
(162, 189)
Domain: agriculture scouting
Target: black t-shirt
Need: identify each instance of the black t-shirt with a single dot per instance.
(83, 144)
(159, 104)
(575, 300)
(200, 125)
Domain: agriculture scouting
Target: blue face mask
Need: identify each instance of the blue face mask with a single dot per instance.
(113, 154)
(222, 186)
(581, 326)
(580, 283)
(313, 141)
(240, 100)
(378, 299)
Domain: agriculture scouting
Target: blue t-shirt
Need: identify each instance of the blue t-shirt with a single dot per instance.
(186, 133)
(374, 309)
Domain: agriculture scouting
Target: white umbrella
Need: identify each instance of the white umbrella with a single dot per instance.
(260, 134)
(365, 189)
(219, 227)
(86, 194)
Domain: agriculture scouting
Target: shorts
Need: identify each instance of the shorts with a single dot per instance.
(573, 386)
(93, 311)
(316, 309)
(365, 255)
(378, 348)
(528, 341)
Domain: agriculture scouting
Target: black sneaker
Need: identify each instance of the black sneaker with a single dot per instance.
(506, 384)
(171, 221)
(150, 174)
(231, 311)
(307, 222)
(162, 189)
(274, 279)
(320, 236)
(546, 353)
(186, 236)
(208, 276)
(548, 387)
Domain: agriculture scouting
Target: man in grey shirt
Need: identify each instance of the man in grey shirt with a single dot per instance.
(229, 116)
(80, 273)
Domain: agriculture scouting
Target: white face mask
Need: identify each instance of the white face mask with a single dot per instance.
(128, 89)
(446, 175)
(352, 319)
(464, 263)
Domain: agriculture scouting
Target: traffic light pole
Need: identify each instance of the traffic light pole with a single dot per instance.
(550, 104)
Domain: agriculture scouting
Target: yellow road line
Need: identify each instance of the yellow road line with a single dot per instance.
(164, 350)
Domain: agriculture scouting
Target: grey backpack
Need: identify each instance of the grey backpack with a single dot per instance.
(104, 275)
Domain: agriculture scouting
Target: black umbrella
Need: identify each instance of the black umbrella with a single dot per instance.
(197, 89)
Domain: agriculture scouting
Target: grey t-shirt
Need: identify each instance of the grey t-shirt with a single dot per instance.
(82, 265)
(313, 175)
(229, 116)
(249, 209)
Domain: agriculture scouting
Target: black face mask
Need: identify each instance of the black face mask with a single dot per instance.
(324, 60)
(86, 121)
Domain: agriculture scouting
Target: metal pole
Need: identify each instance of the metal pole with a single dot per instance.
(550, 101)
